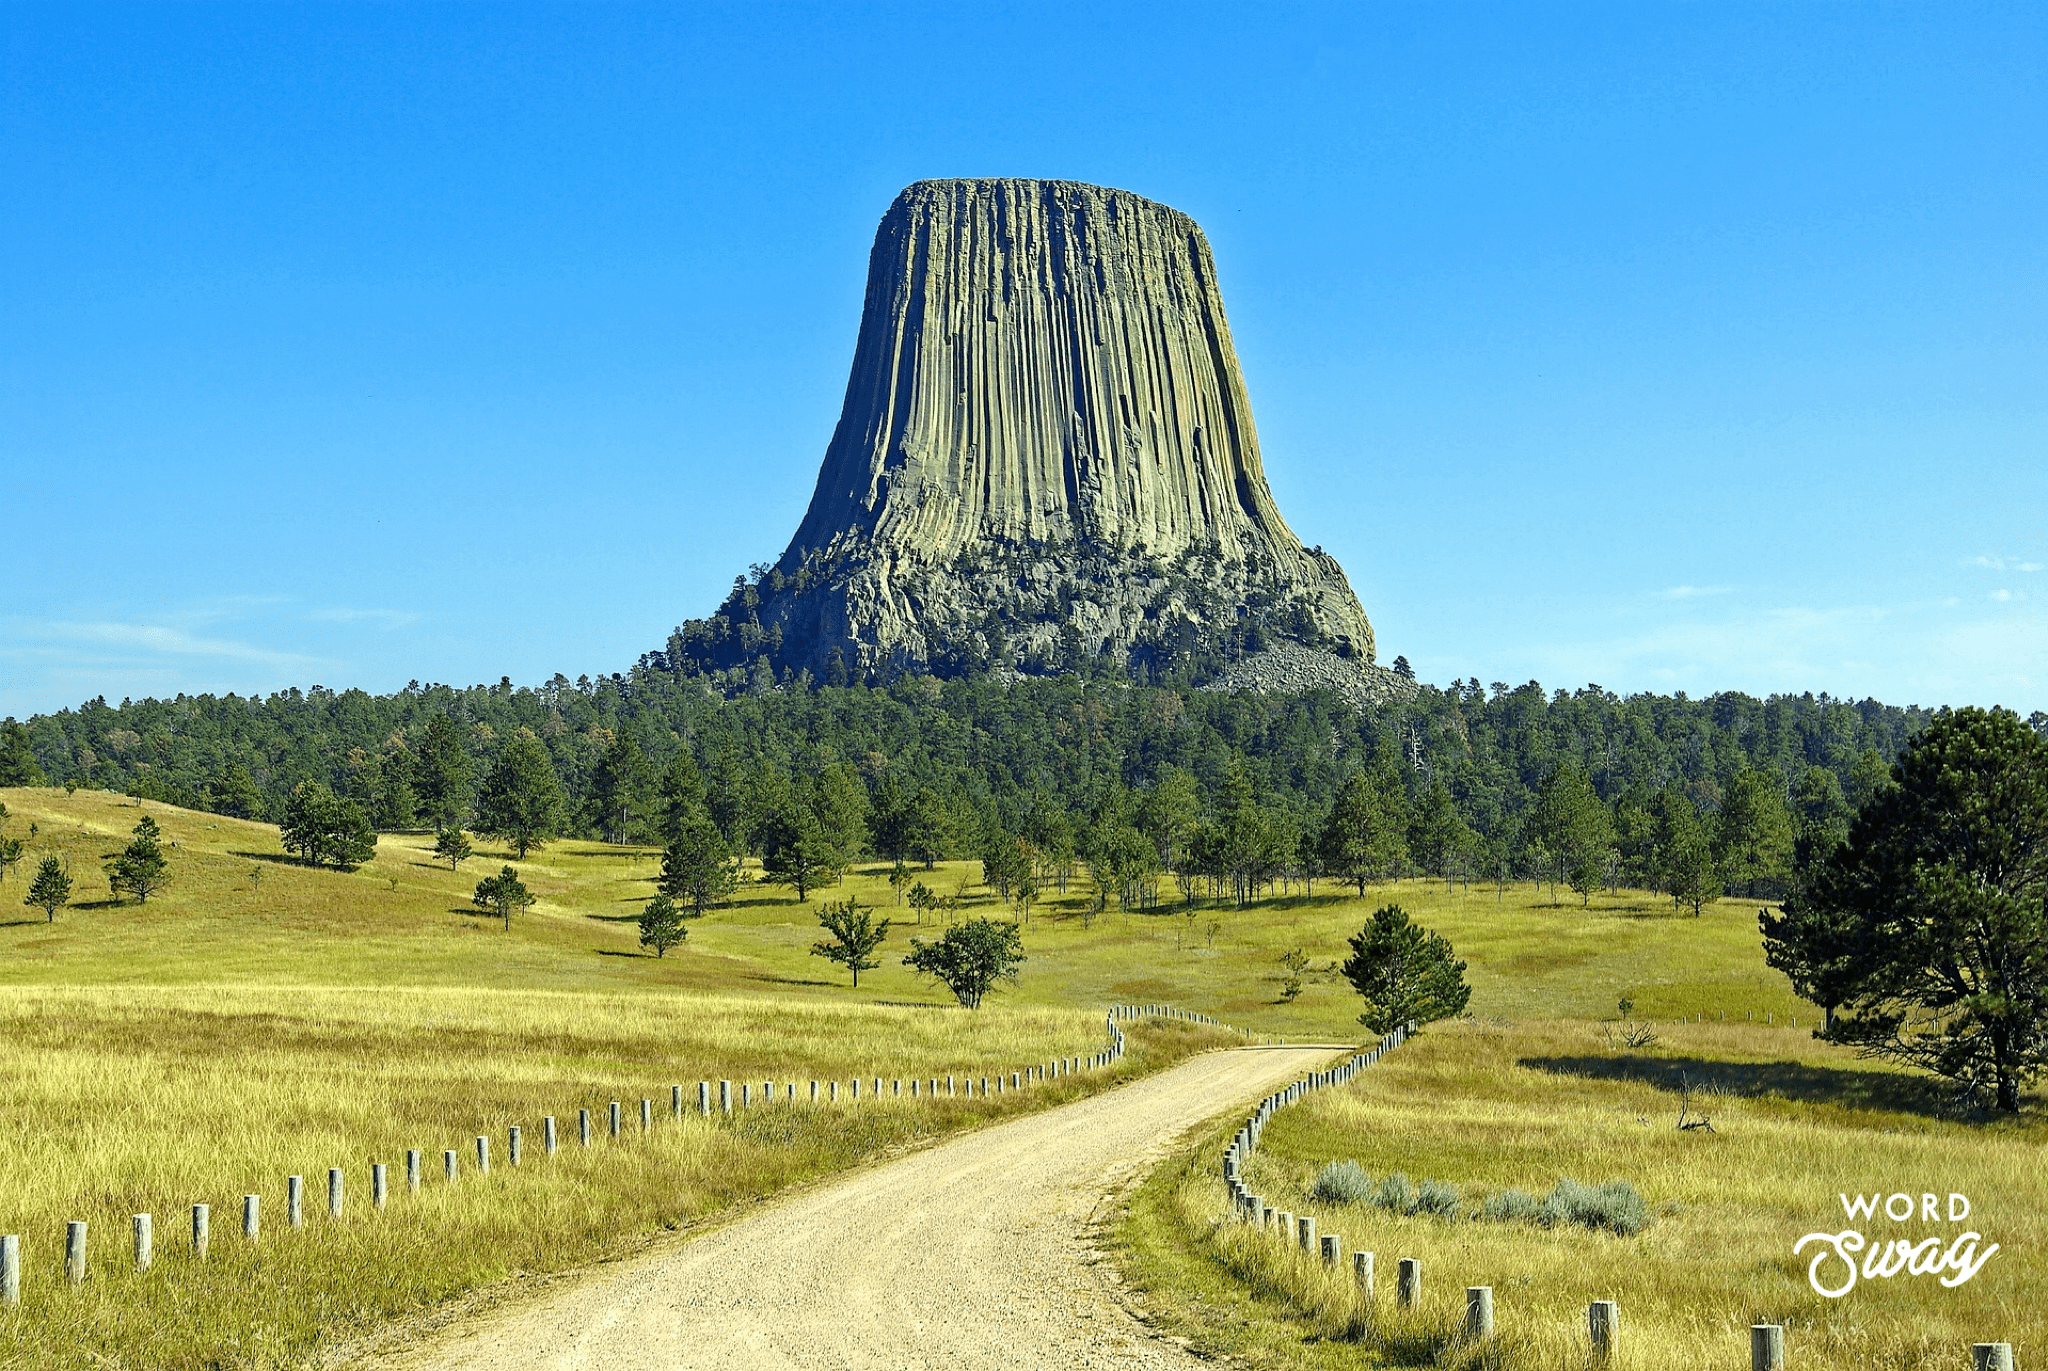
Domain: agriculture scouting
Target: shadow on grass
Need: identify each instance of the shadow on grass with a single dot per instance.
(798, 980)
(621, 952)
(1849, 1087)
(35, 923)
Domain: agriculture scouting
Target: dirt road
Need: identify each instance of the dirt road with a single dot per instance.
(969, 1255)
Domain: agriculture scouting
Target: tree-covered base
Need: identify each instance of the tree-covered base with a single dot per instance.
(1152, 783)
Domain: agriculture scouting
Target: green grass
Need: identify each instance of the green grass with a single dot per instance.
(1490, 1105)
(238, 1028)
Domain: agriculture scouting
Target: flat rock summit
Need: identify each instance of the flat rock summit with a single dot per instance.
(1045, 452)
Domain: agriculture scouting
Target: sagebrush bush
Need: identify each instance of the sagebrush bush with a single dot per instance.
(1397, 1193)
(1342, 1183)
(1437, 1197)
(1509, 1206)
(1616, 1207)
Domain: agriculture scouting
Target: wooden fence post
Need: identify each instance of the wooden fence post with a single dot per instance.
(675, 1104)
(1603, 1322)
(377, 1185)
(449, 1165)
(1478, 1311)
(1766, 1347)
(412, 1169)
(483, 1154)
(252, 1216)
(1305, 1231)
(334, 1192)
(295, 1201)
(646, 1115)
(10, 1269)
(1991, 1356)
(615, 1118)
(1333, 1249)
(143, 1243)
(704, 1098)
(1408, 1283)
(547, 1136)
(201, 1216)
(725, 1097)
(74, 1251)
(583, 1127)
(1361, 1271)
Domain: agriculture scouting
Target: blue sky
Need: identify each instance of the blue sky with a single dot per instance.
(1660, 346)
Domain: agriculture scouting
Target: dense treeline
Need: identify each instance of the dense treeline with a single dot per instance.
(1145, 787)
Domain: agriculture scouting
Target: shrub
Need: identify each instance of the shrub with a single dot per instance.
(1397, 1193)
(1509, 1206)
(1342, 1183)
(1437, 1197)
(1616, 1207)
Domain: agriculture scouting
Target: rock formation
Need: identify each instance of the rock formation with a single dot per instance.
(1045, 450)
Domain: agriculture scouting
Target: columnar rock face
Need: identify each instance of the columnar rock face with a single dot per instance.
(1046, 448)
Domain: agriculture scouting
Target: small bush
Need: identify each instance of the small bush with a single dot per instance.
(1397, 1193)
(1509, 1206)
(1342, 1183)
(1616, 1207)
(1437, 1197)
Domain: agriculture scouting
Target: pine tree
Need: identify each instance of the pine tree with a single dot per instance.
(1926, 933)
(325, 828)
(697, 870)
(618, 789)
(453, 847)
(661, 925)
(234, 794)
(682, 794)
(1686, 865)
(18, 757)
(840, 801)
(797, 852)
(1437, 836)
(140, 869)
(1570, 829)
(441, 772)
(1753, 833)
(1407, 973)
(1364, 837)
(521, 800)
(50, 891)
(503, 895)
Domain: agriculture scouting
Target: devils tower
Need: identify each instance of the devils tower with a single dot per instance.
(1045, 451)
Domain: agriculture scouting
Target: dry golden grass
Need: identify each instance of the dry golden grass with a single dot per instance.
(1489, 1106)
(233, 1032)
(238, 1029)
(147, 1100)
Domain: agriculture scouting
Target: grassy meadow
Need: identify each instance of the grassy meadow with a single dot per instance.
(261, 1018)
(1492, 1104)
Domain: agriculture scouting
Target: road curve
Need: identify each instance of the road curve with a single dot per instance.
(967, 1255)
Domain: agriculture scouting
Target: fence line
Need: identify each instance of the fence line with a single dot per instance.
(1298, 1231)
(76, 1267)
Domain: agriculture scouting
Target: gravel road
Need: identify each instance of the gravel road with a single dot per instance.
(972, 1254)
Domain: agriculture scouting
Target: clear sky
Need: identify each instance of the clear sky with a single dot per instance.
(1664, 346)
